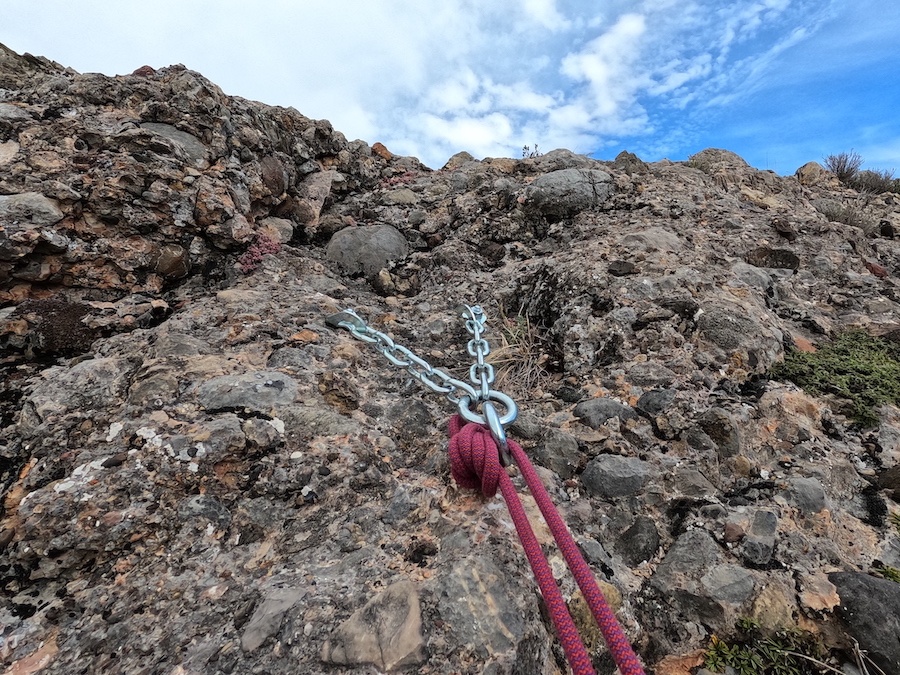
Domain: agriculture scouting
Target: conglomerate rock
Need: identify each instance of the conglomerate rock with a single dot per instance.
(201, 476)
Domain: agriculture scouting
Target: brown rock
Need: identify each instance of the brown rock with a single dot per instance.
(380, 150)
(811, 173)
(173, 262)
(818, 593)
(773, 608)
(733, 532)
(273, 174)
(214, 204)
(878, 270)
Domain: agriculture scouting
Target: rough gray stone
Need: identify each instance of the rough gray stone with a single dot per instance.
(595, 554)
(806, 494)
(639, 542)
(870, 608)
(757, 551)
(269, 615)
(727, 327)
(764, 524)
(259, 391)
(650, 375)
(261, 434)
(473, 598)
(567, 192)
(28, 209)
(558, 451)
(596, 411)
(204, 506)
(690, 557)
(192, 146)
(711, 160)
(610, 476)
(221, 437)
(758, 546)
(367, 249)
(401, 197)
(752, 275)
(630, 163)
(282, 228)
(723, 430)
(13, 113)
(654, 402)
(386, 633)
(774, 258)
(652, 239)
(692, 483)
(729, 583)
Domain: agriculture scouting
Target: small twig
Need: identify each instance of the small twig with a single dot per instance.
(818, 663)
(858, 657)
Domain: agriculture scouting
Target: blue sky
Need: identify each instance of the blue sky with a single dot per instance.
(780, 82)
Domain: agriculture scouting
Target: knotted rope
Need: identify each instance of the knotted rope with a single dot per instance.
(475, 464)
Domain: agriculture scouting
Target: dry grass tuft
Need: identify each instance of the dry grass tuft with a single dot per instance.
(521, 358)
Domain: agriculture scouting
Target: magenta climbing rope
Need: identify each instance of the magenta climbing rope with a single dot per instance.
(475, 464)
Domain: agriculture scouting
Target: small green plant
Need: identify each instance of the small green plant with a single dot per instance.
(857, 367)
(531, 153)
(890, 573)
(699, 163)
(848, 214)
(756, 652)
(895, 521)
(844, 165)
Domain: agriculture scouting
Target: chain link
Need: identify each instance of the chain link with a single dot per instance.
(462, 394)
(433, 378)
(480, 373)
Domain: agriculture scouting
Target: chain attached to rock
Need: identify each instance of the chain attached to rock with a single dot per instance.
(467, 396)
(478, 448)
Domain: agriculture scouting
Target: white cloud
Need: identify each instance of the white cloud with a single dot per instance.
(606, 65)
(433, 78)
(546, 14)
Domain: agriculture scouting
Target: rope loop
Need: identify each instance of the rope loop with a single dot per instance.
(474, 458)
(475, 464)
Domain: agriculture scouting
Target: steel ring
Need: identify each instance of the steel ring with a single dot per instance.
(512, 410)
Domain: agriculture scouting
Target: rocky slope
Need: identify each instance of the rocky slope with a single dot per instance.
(199, 476)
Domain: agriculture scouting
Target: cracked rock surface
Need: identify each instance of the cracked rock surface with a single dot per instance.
(199, 475)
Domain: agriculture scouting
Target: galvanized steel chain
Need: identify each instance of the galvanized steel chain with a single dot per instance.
(463, 394)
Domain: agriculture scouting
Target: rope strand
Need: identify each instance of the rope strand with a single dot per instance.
(474, 464)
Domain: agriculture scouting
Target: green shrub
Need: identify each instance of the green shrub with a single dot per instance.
(699, 163)
(755, 652)
(844, 165)
(862, 369)
(876, 182)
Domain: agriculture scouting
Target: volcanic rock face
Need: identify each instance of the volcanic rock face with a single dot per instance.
(200, 476)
